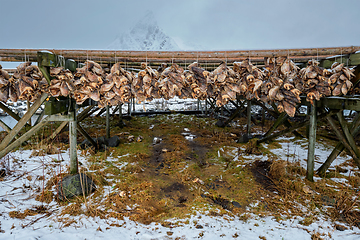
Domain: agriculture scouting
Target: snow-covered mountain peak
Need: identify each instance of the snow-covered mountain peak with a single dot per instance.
(145, 35)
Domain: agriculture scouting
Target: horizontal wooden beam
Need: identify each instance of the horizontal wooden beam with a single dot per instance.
(177, 56)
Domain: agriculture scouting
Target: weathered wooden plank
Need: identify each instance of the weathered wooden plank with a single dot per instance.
(239, 109)
(22, 139)
(73, 147)
(312, 141)
(20, 124)
(86, 135)
(179, 56)
(294, 127)
(348, 135)
(275, 113)
(355, 129)
(341, 137)
(4, 126)
(107, 121)
(8, 111)
(281, 118)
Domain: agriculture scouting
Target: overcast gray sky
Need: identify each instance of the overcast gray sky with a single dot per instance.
(213, 24)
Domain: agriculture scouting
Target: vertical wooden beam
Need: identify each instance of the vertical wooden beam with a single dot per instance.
(312, 141)
(133, 104)
(73, 145)
(206, 107)
(28, 107)
(107, 121)
(248, 131)
(129, 107)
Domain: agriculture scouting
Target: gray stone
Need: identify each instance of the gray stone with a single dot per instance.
(75, 185)
(102, 143)
(113, 141)
(220, 123)
(244, 138)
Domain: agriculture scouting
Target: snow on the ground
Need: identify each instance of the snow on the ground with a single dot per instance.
(18, 190)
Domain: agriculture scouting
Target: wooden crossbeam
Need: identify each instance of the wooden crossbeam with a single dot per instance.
(80, 117)
(21, 123)
(23, 138)
(355, 130)
(294, 127)
(342, 138)
(8, 111)
(110, 56)
(348, 135)
(86, 135)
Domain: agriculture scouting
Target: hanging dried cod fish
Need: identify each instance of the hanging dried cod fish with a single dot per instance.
(340, 79)
(4, 85)
(223, 84)
(173, 83)
(251, 79)
(279, 84)
(116, 88)
(198, 78)
(314, 81)
(63, 82)
(145, 85)
(28, 81)
(87, 82)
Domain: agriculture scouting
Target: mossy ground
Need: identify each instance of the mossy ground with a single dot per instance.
(151, 181)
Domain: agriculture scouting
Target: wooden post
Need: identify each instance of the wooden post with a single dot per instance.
(120, 111)
(73, 143)
(107, 121)
(307, 116)
(28, 107)
(133, 103)
(312, 141)
(206, 108)
(129, 108)
(248, 117)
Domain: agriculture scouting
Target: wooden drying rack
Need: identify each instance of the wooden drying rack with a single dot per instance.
(65, 110)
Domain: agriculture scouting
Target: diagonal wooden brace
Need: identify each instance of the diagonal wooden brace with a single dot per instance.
(21, 123)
